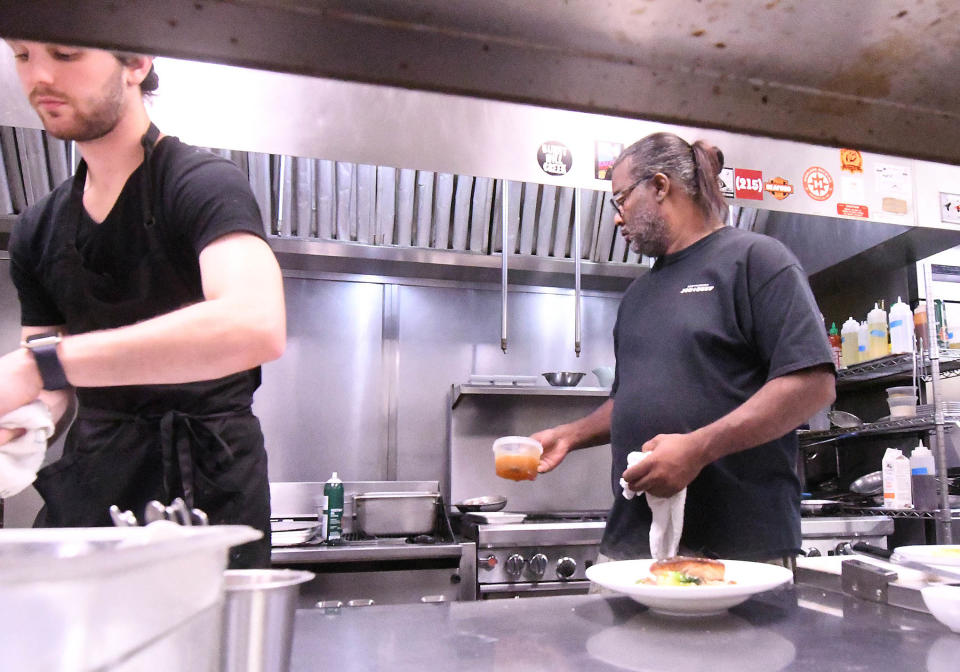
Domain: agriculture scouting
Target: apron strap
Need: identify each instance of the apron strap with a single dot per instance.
(148, 141)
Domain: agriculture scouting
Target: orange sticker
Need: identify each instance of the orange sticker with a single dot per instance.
(818, 183)
(852, 160)
(779, 188)
(850, 210)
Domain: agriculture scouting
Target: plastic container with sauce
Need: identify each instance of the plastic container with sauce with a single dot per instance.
(877, 325)
(901, 328)
(863, 337)
(517, 457)
(848, 343)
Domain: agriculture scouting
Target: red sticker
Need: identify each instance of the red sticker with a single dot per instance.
(748, 183)
(817, 183)
(850, 210)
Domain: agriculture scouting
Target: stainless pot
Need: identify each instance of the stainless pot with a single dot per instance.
(384, 514)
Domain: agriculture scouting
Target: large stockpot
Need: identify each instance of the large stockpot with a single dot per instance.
(395, 513)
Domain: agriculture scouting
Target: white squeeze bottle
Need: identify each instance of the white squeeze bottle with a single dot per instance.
(896, 480)
(863, 336)
(901, 328)
(877, 324)
(922, 479)
(849, 342)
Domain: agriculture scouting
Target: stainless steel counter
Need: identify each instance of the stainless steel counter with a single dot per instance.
(795, 628)
(380, 550)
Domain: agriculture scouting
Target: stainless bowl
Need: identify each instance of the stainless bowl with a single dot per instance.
(486, 503)
(563, 378)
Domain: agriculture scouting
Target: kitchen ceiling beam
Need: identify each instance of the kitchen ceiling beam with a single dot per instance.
(757, 67)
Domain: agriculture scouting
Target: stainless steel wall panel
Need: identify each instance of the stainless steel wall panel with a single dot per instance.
(33, 163)
(514, 198)
(283, 189)
(619, 252)
(448, 333)
(303, 198)
(443, 211)
(461, 211)
(546, 216)
(528, 216)
(326, 199)
(406, 200)
(564, 224)
(424, 208)
(386, 211)
(589, 214)
(480, 214)
(496, 224)
(366, 203)
(321, 404)
(607, 233)
(57, 161)
(346, 195)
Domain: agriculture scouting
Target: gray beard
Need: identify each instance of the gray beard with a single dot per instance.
(653, 242)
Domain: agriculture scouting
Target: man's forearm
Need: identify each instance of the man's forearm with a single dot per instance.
(591, 430)
(777, 408)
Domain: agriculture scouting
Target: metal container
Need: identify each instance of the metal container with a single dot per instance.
(396, 513)
(258, 617)
(104, 599)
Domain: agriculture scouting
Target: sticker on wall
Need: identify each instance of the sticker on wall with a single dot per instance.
(779, 188)
(726, 182)
(554, 158)
(748, 183)
(950, 208)
(853, 210)
(894, 188)
(851, 160)
(817, 183)
(606, 154)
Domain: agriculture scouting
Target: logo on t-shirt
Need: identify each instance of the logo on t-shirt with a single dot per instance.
(702, 287)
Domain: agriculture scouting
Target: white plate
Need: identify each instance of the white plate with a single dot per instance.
(504, 517)
(749, 579)
(947, 555)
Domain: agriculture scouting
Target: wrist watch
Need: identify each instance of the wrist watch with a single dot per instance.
(44, 349)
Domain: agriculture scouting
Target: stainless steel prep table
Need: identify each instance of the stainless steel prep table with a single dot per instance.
(794, 628)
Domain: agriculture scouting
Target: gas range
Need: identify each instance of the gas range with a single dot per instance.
(544, 554)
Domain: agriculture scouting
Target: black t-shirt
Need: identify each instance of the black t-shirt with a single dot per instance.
(695, 338)
(197, 198)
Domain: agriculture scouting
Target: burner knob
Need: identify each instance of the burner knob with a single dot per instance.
(537, 565)
(514, 564)
(566, 567)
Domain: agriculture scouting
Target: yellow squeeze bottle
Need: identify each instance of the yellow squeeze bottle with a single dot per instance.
(877, 326)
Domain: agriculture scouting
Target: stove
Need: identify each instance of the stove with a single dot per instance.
(828, 535)
(543, 554)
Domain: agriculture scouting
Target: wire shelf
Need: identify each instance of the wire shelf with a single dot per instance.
(899, 367)
(922, 422)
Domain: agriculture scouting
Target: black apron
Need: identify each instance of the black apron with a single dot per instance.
(131, 444)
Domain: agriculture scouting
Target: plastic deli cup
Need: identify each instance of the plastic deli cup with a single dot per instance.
(902, 406)
(902, 391)
(517, 457)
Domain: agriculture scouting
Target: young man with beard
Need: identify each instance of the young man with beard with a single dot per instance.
(149, 278)
(721, 354)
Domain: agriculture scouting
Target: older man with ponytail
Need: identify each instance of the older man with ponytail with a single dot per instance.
(721, 354)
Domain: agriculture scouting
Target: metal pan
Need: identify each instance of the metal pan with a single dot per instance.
(818, 506)
(868, 484)
(485, 503)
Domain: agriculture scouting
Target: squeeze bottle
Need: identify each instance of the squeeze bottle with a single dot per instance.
(920, 325)
(877, 323)
(923, 482)
(863, 336)
(896, 480)
(835, 343)
(848, 342)
(901, 328)
(331, 526)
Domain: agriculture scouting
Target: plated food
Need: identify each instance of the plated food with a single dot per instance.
(685, 571)
(740, 581)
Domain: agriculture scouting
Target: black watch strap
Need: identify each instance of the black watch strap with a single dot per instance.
(44, 349)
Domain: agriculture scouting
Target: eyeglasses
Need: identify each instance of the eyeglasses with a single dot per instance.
(621, 196)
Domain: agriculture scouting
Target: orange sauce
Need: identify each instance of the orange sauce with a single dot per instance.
(517, 467)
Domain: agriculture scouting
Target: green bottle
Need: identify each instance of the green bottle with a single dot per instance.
(333, 510)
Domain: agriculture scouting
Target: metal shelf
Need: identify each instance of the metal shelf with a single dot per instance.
(459, 391)
(895, 367)
(898, 513)
(918, 423)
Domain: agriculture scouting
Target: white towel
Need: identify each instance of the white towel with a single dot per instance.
(667, 513)
(21, 458)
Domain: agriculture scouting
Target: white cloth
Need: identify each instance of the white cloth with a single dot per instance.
(667, 525)
(21, 458)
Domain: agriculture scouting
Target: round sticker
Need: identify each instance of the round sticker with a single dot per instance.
(817, 183)
(554, 158)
